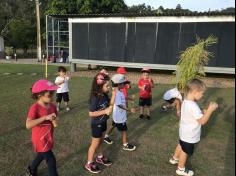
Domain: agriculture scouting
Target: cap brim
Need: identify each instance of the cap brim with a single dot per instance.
(52, 88)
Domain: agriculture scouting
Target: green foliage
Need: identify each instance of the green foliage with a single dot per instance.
(141, 8)
(85, 6)
(8, 51)
(22, 34)
(192, 61)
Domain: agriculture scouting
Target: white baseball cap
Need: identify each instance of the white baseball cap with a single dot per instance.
(119, 79)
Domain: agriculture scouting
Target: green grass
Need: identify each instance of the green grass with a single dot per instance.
(156, 139)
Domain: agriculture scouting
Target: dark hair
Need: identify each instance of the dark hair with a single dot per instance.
(195, 84)
(36, 96)
(96, 90)
(62, 69)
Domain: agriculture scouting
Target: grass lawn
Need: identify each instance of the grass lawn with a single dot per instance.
(156, 139)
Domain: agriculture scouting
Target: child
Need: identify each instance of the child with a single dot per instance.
(145, 85)
(40, 117)
(120, 111)
(174, 99)
(99, 112)
(124, 90)
(191, 121)
(63, 90)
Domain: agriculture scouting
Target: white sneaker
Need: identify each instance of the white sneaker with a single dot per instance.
(184, 172)
(173, 161)
(67, 109)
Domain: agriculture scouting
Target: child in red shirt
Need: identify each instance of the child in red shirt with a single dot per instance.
(40, 119)
(145, 85)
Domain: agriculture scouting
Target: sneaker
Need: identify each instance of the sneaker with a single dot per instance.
(184, 172)
(104, 161)
(141, 116)
(148, 117)
(164, 108)
(92, 167)
(108, 140)
(173, 161)
(67, 109)
(129, 147)
(30, 172)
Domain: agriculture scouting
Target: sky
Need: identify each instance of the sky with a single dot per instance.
(195, 5)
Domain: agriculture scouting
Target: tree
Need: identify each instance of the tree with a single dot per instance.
(85, 6)
(21, 34)
(179, 7)
(141, 8)
(192, 61)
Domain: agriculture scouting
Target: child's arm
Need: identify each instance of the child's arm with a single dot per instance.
(151, 83)
(100, 113)
(58, 83)
(132, 110)
(207, 115)
(32, 123)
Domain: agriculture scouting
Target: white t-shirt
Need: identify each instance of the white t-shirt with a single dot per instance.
(190, 128)
(62, 87)
(119, 115)
(172, 93)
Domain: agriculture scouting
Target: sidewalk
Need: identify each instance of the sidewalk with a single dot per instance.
(30, 61)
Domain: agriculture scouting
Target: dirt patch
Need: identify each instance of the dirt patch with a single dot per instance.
(217, 82)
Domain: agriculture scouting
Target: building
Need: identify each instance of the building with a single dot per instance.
(138, 40)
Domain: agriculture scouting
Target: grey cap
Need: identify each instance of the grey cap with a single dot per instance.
(118, 79)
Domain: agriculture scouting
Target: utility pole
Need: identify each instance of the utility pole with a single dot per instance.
(39, 47)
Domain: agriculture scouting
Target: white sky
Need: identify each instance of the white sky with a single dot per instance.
(198, 5)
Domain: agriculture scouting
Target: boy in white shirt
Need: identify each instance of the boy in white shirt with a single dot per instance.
(192, 118)
(174, 99)
(120, 111)
(63, 91)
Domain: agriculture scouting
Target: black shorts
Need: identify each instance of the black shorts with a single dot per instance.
(98, 129)
(171, 101)
(64, 96)
(188, 148)
(120, 126)
(145, 102)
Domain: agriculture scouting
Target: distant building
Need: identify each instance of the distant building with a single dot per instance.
(1, 47)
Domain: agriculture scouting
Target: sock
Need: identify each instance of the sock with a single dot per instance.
(89, 162)
(125, 144)
(181, 169)
(100, 156)
(106, 135)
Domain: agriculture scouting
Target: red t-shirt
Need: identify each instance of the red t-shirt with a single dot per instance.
(125, 90)
(147, 93)
(42, 134)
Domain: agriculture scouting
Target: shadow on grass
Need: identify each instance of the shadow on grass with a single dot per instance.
(229, 167)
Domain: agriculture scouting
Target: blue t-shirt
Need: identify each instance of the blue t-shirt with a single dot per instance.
(98, 104)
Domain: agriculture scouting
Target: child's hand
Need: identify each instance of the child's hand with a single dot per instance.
(51, 117)
(133, 110)
(213, 106)
(108, 111)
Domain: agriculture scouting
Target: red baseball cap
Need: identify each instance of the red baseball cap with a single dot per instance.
(121, 70)
(147, 70)
(43, 85)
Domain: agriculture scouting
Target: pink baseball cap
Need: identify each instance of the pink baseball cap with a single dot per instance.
(43, 85)
(147, 70)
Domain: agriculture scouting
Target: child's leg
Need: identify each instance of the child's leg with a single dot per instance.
(109, 131)
(124, 137)
(51, 163)
(93, 148)
(100, 146)
(141, 110)
(148, 109)
(182, 159)
(37, 161)
(178, 151)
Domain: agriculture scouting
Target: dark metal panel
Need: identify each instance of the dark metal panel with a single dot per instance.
(80, 40)
(167, 43)
(130, 50)
(116, 41)
(97, 41)
(145, 42)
